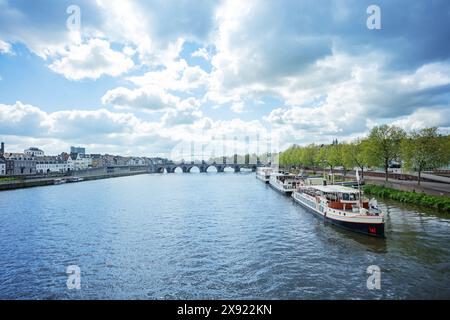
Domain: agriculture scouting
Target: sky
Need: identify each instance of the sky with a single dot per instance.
(176, 77)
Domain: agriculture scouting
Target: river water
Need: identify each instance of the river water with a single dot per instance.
(205, 236)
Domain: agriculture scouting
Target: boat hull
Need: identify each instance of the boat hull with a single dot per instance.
(263, 179)
(370, 229)
(282, 191)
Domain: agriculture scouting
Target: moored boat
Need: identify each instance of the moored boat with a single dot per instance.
(74, 179)
(342, 206)
(59, 181)
(284, 183)
(263, 173)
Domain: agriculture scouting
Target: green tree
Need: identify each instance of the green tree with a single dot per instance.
(282, 159)
(356, 154)
(298, 155)
(309, 156)
(345, 163)
(334, 156)
(321, 157)
(329, 156)
(424, 149)
(384, 146)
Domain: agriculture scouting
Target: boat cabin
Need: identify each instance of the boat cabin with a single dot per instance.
(338, 197)
(289, 181)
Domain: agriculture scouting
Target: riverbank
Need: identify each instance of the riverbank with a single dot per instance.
(441, 203)
(29, 183)
(430, 188)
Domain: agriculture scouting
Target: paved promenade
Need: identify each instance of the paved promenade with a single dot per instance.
(434, 188)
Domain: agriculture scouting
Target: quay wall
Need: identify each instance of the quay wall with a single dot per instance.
(87, 175)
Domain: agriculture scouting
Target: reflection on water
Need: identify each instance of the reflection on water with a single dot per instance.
(207, 236)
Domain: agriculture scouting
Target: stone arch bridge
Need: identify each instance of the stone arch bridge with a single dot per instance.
(203, 167)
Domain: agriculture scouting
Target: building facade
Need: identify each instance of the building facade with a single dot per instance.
(52, 164)
(97, 160)
(135, 161)
(110, 160)
(2, 166)
(19, 164)
(34, 152)
(80, 161)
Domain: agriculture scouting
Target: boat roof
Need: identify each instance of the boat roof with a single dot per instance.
(335, 189)
(280, 174)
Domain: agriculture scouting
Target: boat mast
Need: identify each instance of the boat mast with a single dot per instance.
(359, 188)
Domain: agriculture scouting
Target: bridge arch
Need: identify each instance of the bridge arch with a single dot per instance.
(228, 168)
(161, 169)
(212, 167)
(197, 169)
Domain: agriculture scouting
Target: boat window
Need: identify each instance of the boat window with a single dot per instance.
(345, 196)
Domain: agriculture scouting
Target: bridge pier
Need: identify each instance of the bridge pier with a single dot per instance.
(171, 169)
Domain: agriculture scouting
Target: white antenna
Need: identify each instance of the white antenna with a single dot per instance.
(359, 188)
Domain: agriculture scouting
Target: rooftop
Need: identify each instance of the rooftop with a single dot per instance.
(335, 189)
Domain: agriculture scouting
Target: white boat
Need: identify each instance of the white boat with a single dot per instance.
(263, 173)
(342, 206)
(284, 183)
(59, 181)
(74, 179)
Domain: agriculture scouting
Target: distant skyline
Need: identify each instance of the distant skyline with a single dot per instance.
(143, 78)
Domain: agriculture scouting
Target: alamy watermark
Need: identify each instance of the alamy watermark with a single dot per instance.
(374, 280)
(73, 22)
(373, 22)
(249, 149)
(73, 277)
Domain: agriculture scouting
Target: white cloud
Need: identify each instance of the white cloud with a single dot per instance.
(5, 47)
(201, 53)
(92, 60)
(22, 119)
(257, 48)
(147, 98)
(237, 107)
(101, 130)
(425, 117)
(153, 98)
(358, 94)
(176, 75)
(73, 123)
(145, 25)
(25, 119)
(187, 112)
(428, 76)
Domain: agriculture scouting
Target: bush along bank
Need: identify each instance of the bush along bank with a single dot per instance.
(437, 202)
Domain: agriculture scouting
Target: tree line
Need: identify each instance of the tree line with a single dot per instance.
(417, 151)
